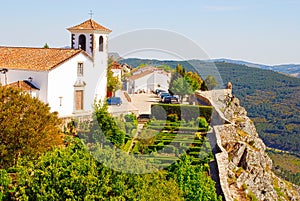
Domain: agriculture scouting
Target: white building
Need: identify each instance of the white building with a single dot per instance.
(69, 80)
(148, 79)
(116, 69)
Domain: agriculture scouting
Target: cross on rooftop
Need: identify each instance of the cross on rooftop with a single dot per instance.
(91, 14)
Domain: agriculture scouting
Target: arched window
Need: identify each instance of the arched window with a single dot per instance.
(82, 42)
(101, 44)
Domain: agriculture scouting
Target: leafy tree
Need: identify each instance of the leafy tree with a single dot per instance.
(104, 123)
(166, 68)
(185, 83)
(194, 80)
(46, 45)
(181, 87)
(210, 82)
(27, 128)
(193, 180)
(113, 82)
(142, 65)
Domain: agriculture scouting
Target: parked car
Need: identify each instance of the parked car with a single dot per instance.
(170, 99)
(161, 91)
(162, 95)
(157, 91)
(114, 101)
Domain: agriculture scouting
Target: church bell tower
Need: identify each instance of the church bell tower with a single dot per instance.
(92, 38)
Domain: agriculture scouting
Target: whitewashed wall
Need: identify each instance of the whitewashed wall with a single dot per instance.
(150, 82)
(100, 65)
(61, 84)
(40, 79)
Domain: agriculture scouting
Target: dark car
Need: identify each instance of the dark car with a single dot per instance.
(114, 101)
(157, 91)
(170, 99)
(162, 95)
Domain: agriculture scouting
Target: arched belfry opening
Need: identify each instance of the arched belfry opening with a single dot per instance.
(101, 44)
(82, 42)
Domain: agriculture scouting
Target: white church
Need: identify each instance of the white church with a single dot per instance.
(69, 80)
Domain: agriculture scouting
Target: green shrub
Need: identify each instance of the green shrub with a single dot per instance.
(135, 149)
(202, 123)
(131, 118)
(127, 145)
(172, 117)
(129, 126)
(184, 112)
(251, 196)
(5, 182)
(195, 149)
(194, 154)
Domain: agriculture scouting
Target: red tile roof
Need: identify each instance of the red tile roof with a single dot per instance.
(24, 85)
(140, 75)
(89, 25)
(115, 65)
(38, 59)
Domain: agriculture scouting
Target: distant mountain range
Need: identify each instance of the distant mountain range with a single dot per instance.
(289, 69)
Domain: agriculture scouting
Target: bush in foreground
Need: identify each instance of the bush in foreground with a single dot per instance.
(27, 127)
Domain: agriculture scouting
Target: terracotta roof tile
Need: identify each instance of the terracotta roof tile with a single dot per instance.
(38, 59)
(115, 65)
(140, 75)
(24, 85)
(89, 25)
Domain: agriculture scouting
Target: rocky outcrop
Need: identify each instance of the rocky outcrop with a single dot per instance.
(244, 168)
(249, 167)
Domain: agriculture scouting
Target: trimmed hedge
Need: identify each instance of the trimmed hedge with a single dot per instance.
(177, 128)
(127, 145)
(184, 112)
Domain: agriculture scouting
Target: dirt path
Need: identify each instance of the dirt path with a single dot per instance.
(139, 130)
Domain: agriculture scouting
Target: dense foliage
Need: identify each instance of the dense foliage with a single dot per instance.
(105, 125)
(285, 165)
(72, 173)
(27, 128)
(84, 169)
(190, 178)
(184, 112)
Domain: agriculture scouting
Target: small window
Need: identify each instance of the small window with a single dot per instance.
(80, 70)
(101, 44)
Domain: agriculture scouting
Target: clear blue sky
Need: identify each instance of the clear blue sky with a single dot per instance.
(261, 31)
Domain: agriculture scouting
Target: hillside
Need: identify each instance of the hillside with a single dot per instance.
(289, 69)
(270, 98)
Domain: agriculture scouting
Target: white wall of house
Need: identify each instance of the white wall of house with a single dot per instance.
(61, 90)
(140, 84)
(161, 80)
(39, 78)
(150, 82)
